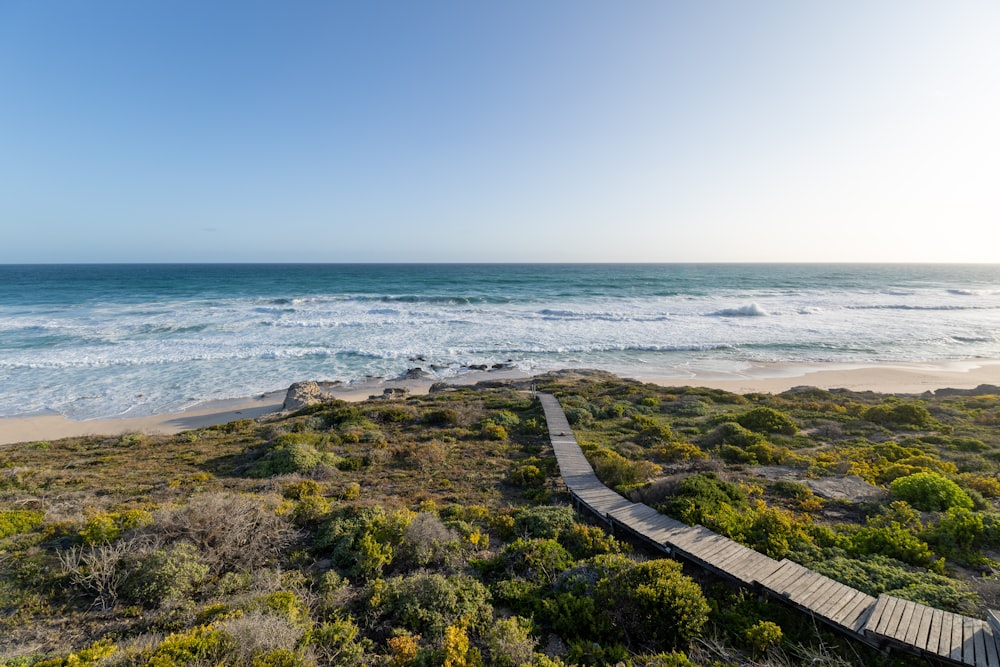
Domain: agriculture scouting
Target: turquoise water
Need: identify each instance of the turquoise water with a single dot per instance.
(92, 341)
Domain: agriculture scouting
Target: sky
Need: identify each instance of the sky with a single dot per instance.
(515, 131)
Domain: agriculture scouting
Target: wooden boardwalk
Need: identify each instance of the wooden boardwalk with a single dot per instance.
(888, 623)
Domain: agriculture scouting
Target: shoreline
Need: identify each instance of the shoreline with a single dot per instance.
(889, 378)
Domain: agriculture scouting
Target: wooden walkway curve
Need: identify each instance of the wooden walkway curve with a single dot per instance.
(886, 622)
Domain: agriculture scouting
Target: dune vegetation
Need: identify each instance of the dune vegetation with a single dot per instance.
(435, 530)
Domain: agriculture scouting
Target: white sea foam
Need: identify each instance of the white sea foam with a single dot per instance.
(750, 310)
(111, 357)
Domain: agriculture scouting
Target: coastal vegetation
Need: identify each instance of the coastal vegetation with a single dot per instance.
(435, 530)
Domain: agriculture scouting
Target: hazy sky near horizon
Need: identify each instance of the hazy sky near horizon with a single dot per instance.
(562, 130)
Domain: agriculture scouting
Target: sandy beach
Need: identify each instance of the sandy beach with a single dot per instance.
(766, 378)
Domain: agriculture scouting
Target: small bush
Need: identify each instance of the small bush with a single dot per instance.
(899, 414)
(170, 573)
(443, 417)
(762, 635)
(429, 603)
(336, 643)
(15, 522)
(930, 492)
(509, 642)
(529, 476)
(493, 431)
(767, 420)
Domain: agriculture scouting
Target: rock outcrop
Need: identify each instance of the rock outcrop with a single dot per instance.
(303, 394)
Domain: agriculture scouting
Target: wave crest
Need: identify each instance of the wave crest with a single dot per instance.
(750, 310)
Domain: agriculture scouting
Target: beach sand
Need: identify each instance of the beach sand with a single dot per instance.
(765, 378)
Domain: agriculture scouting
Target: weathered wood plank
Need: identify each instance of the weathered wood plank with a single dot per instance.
(739, 561)
(968, 640)
(956, 638)
(990, 639)
(771, 582)
(778, 581)
(819, 598)
(924, 628)
(764, 570)
(888, 616)
(979, 642)
(933, 640)
(857, 614)
(944, 641)
(837, 609)
(802, 580)
(715, 551)
(909, 608)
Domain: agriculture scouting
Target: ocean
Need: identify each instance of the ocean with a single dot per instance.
(102, 341)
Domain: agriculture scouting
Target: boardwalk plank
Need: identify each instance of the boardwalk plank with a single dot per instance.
(856, 618)
(979, 641)
(968, 641)
(989, 637)
(855, 613)
(739, 561)
(913, 627)
(888, 616)
(956, 638)
(905, 617)
(933, 639)
(944, 641)
(819, 599)
(715, 552)
(909, 608)
(800, 583)
(837, 609)
(808, 588)
(784, 577)
(764, 570)
(923, 629)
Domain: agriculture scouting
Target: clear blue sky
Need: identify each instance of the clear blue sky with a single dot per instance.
(554, 130)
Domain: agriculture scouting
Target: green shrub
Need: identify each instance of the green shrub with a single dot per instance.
(290, 453)
(657, 434)
(547, 521)
(493, 431)
(110, 526)
(702, 494)
(505, 418)
(529, 476)
(200, 645)
(579, 416)
(762, 635)
(930, 492)
(899, 414)
(92, 655)
(442, 417)
(652, 600)
(731, 433)
(509, 642)
(336, 643)
(280, 657)
(767, 420)
(171, 573)
(537, 560)
(960, 531)
(892, 540)
(429, 603)
(15, 522)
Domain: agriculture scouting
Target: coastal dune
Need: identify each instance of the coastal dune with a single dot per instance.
(764, 378)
